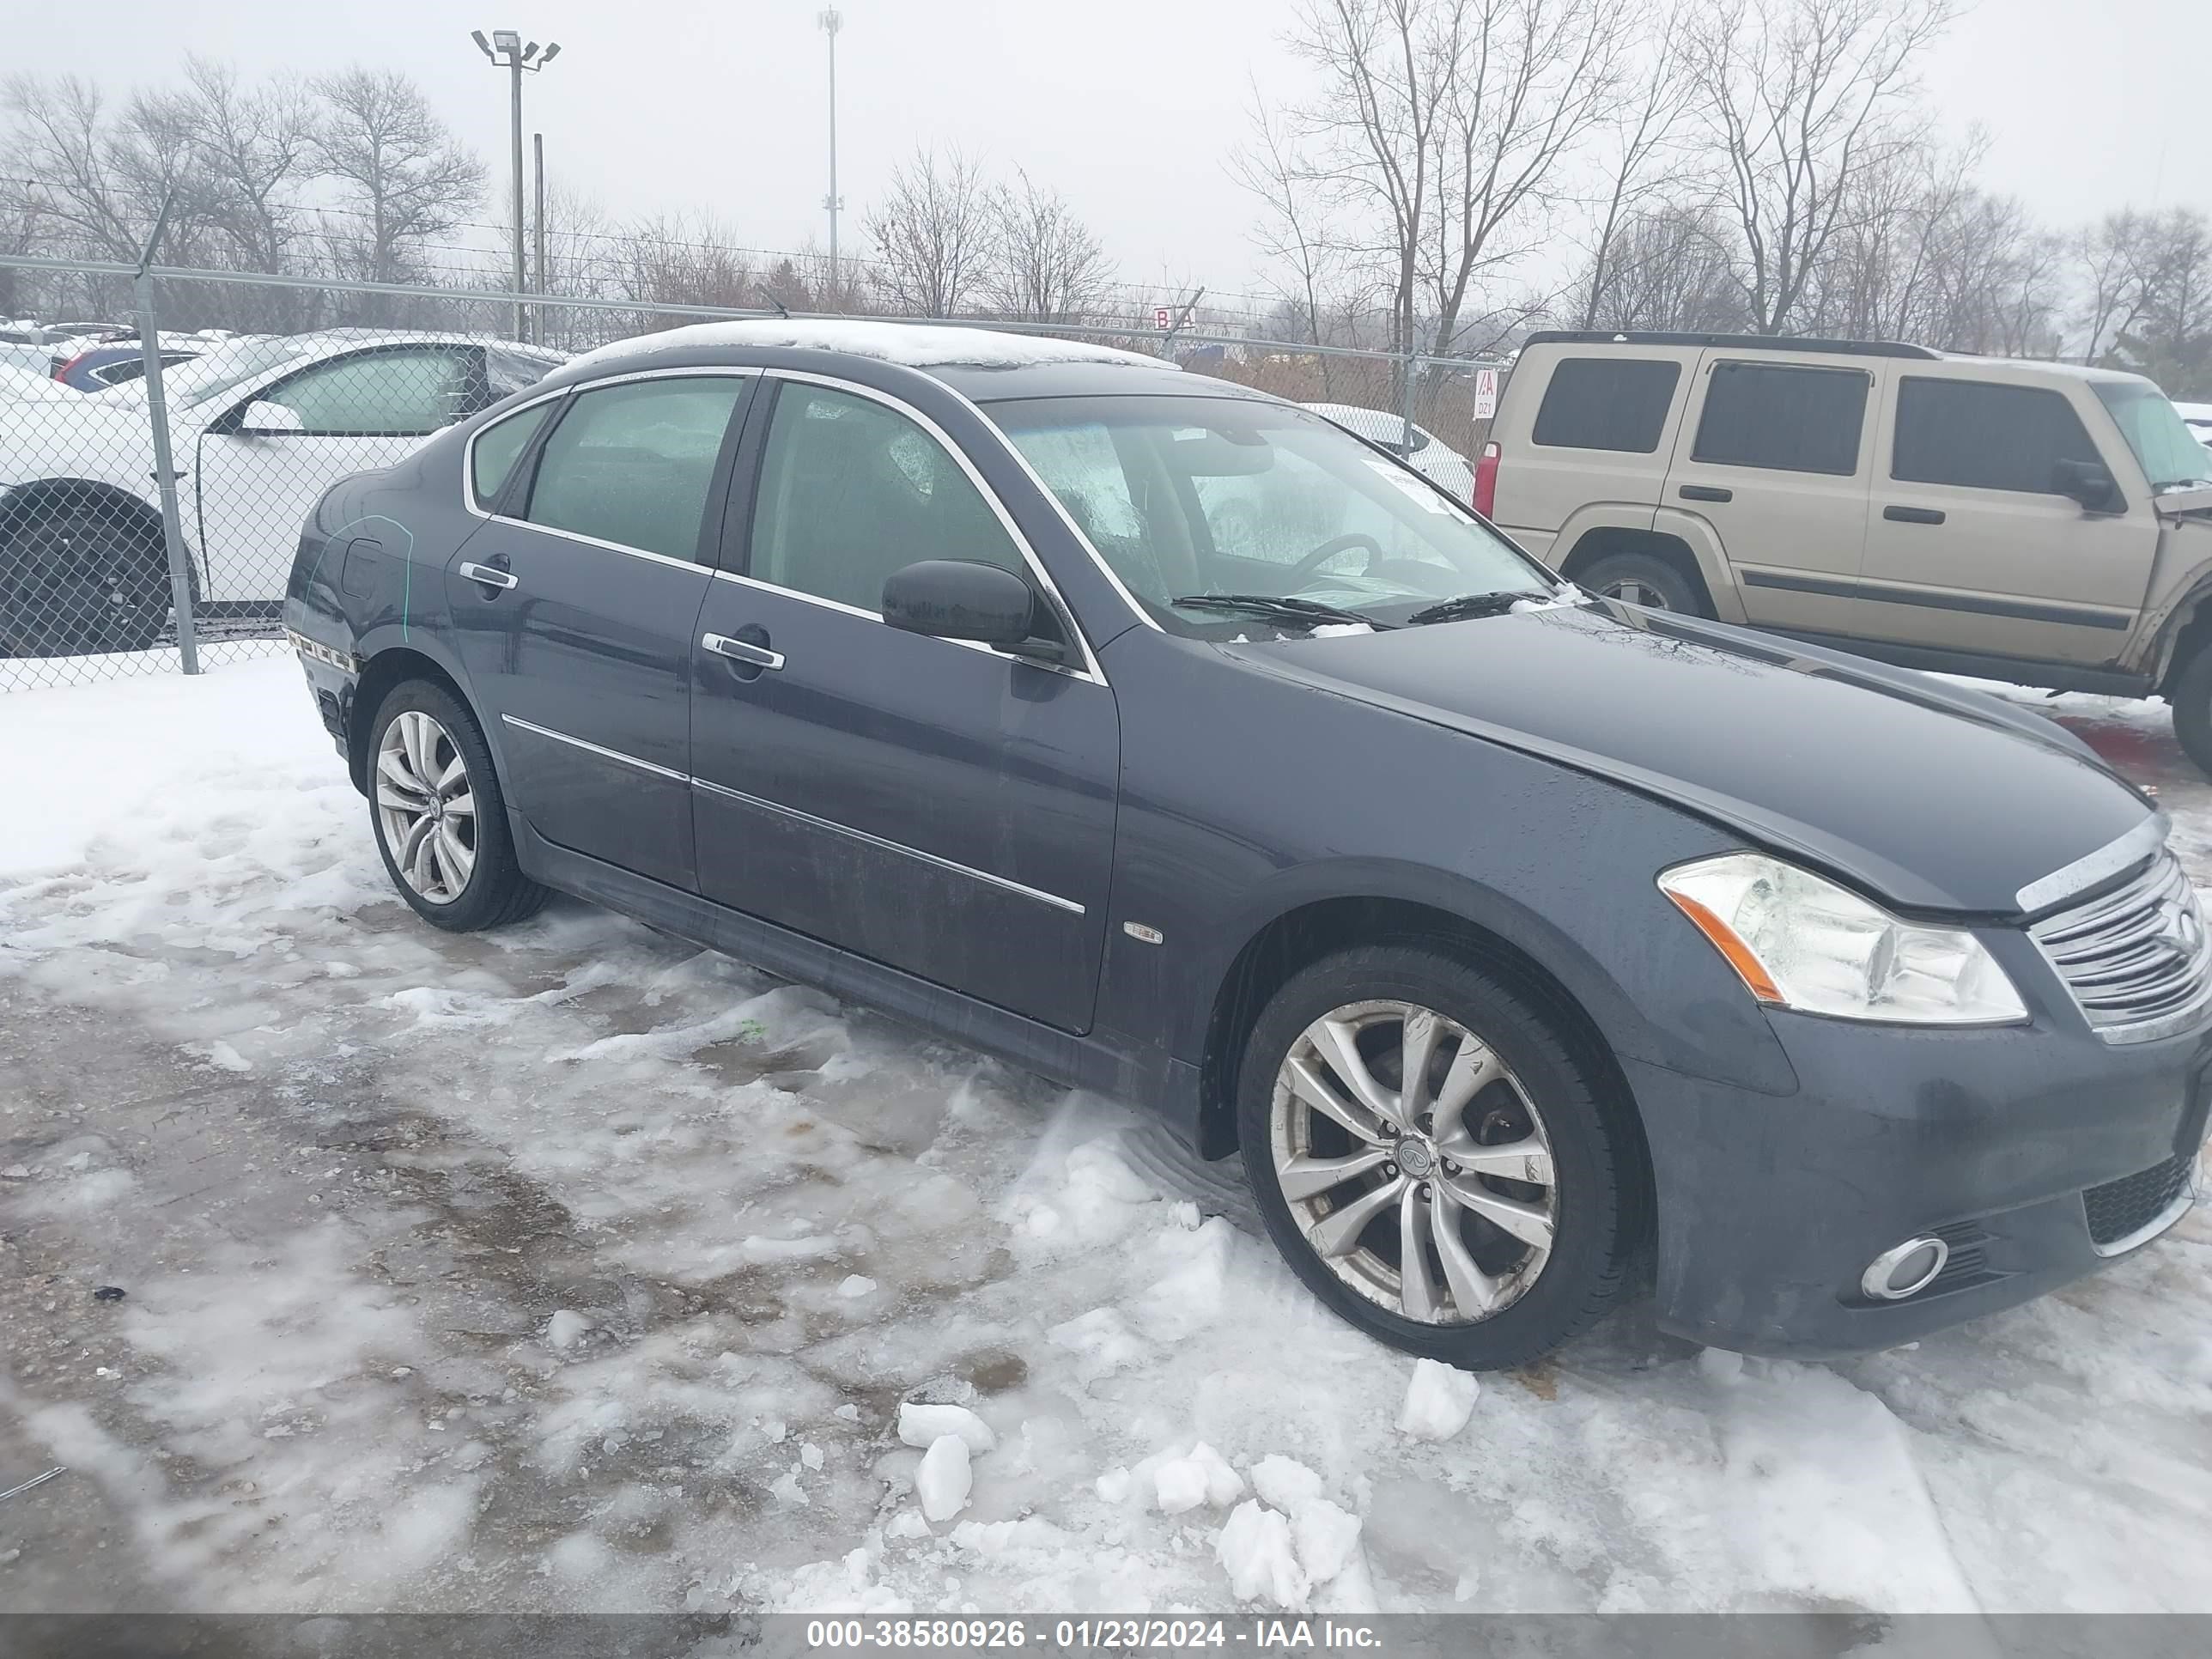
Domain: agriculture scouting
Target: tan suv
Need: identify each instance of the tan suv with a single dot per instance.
(2025, 521)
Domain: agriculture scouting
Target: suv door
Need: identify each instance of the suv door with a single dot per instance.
(938, 807)
(1971, 546)
(574, 604)
(256, 485)
(1775, 456)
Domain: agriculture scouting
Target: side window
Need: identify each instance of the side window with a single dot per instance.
(633, 464)
(1783, 416)
(500, 445)
(1606, 402)
(1984, 436)
(399, 394)
(851, 492)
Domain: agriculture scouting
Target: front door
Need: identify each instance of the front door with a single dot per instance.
(939, 808)
(1971, 548)
(255, 485)
(1774, 457)
(575, 605)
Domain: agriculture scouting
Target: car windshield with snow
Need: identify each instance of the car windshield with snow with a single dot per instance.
(1164, 738)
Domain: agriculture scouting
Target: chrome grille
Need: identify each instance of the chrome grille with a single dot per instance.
(2136, 959)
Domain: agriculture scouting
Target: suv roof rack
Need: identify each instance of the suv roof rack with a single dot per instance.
(1766, 341)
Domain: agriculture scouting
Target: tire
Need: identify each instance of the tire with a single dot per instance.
(1542, 1097)
(457, 869)
(1643, 579)
(2191, 698)
(76, 578)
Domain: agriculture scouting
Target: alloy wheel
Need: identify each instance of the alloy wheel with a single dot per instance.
(1632, 591)
(426, 807)
(1413, 1161)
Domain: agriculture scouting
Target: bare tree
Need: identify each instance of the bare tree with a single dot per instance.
(256, 152)
(1802, 99)
(2158, 304)
(1045, 264)
(1642, 147)
(689, 259)
(402, 177)
(933, 232)
(1439, 130)
(99, 183)
(1309, 266)
(1669, 268)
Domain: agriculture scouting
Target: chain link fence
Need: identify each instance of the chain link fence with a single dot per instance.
(164, 435)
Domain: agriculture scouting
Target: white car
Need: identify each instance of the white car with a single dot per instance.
(259, 429)
(2199, 416)
(1427, 455)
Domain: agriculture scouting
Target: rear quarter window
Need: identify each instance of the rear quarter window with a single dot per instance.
(1606, 402)
(1784, 417)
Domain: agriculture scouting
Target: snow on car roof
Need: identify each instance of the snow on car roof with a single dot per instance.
(913, 345)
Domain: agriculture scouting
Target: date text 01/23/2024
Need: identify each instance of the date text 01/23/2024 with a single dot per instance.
(1109, 1634)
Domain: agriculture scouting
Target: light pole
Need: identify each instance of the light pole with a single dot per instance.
(505, 50)
(831, 21)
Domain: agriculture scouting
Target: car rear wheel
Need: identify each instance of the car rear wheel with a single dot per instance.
(1640, 579)
(2191, 696)
(1433, 1159)
(76, 578)
(441, 821)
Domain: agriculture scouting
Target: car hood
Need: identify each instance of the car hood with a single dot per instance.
(1933, 796)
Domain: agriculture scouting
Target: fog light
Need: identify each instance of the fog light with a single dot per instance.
(1905, 1269)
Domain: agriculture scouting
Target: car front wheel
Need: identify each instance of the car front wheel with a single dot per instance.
(1434, 1160)
(441, 823)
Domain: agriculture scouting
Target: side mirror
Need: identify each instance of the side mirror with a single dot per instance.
(962, 600)
(262, 418)
(2088, 482)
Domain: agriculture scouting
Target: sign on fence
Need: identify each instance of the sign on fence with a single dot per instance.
(1485, 394)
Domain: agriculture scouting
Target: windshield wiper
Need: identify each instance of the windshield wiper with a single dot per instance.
(1282, 610)
(1471, 604)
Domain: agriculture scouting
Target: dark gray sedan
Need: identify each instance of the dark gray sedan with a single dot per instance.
(1167, 740)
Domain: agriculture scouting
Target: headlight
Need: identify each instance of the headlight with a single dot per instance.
(1801, 942)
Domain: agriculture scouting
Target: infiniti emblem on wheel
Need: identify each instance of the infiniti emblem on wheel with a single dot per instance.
(1415, 1158)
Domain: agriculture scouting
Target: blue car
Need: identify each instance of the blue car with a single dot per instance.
(1532, 949)
(97, 368)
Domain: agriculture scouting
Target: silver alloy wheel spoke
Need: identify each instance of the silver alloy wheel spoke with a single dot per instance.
(1529, 1223)
(1474, 1291)
(1338, 1232)
(1309, 1177)
(1417, 1291)
(1527, 1160)
(1358, 1131)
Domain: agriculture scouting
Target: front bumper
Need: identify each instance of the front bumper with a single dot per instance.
(1770, 1207)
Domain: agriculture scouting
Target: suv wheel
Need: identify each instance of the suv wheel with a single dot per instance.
(1641, 579)
(2191, 698)
(1432, 1159)
(75, 578)
(441, 821)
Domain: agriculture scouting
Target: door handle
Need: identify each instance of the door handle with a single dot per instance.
(1911, 515)
(743, 650)
(484, 574)
(1705, 492)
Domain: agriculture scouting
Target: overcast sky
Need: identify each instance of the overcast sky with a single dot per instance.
(1129, 108)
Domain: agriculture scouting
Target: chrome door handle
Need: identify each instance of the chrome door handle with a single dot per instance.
(487, 575)
(753, 656)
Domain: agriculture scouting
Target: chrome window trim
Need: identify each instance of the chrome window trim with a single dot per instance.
(600, 749)
(469, 448)
(1091, 669)
(1112, 578)
(2108, 861)
(863, 836)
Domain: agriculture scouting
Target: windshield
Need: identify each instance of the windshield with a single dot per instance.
(2169, 452)
(227, 366)
(1190, 496)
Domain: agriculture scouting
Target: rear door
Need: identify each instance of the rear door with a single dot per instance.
(1971, 548)
(575, 605)
(941, 808)
(1597, 434)
(255, 486)
(1776, 455)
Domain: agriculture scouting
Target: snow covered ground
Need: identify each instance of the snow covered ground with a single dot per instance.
(573, 1269)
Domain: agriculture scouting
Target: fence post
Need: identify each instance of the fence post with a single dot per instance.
(1406, 412)
(165, 471)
